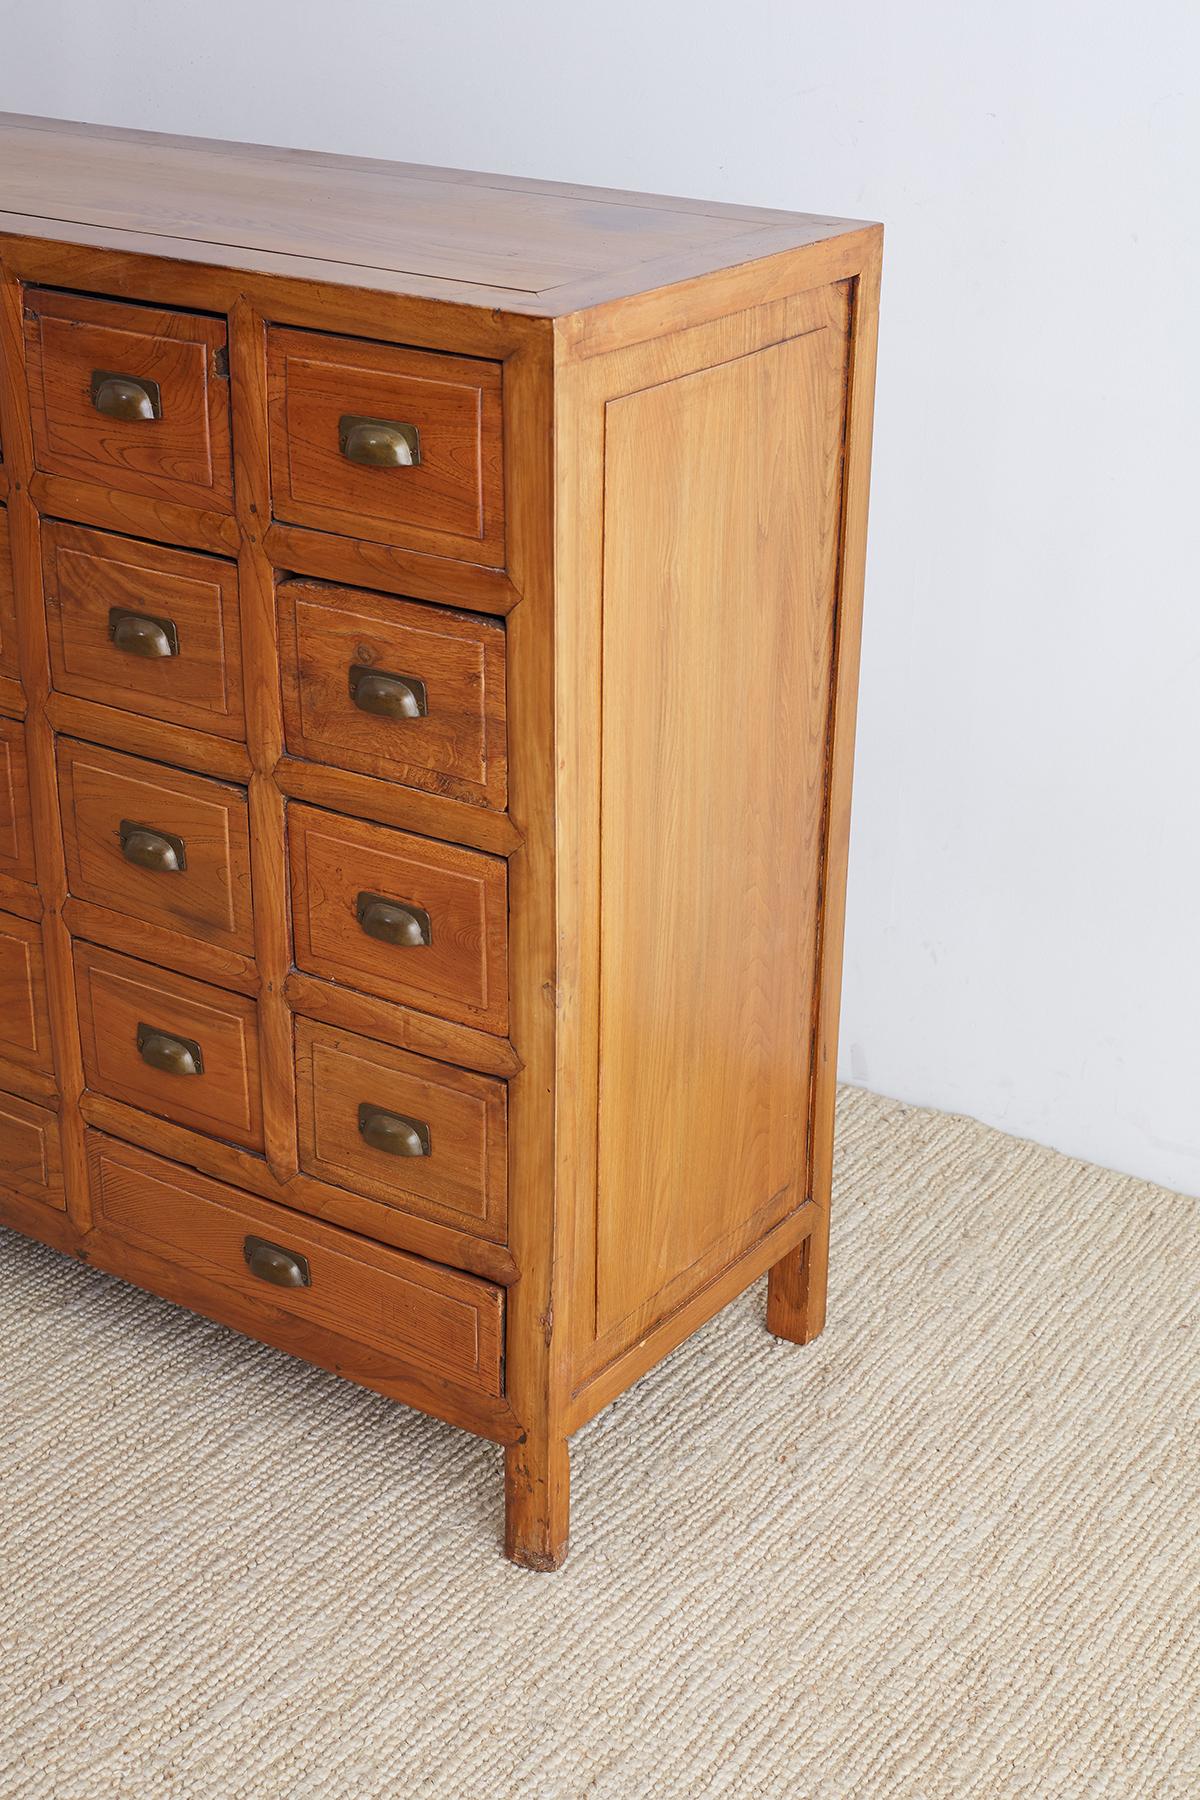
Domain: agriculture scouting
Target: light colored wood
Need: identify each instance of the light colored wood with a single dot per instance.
(450, 502)
(118, 996)
(157, 739)
(450, 1326)
(408, 573)
(30, 1155)
(172, 949)
(184, 454)
(89, 574)
(457, 747)
(461, 1180)
(112, 509)
(208, 899)
(24, 1008)
(461, 974)
(368, 797)
(402, 1026)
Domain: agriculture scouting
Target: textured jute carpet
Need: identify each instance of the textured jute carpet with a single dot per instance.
(950, 1550)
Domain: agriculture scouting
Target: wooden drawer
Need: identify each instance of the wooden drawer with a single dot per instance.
(345, 872)
(16, 826)
(30, 1153)
(449, 501)
(8, 618)
(24, 1013)
(144, 629)
(414, 694)
(413, 1133)
(170, 1045)
(448, 1325)
(90, 361)
(108, 797)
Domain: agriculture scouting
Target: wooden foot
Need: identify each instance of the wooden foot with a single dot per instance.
(796, 1288)
(537, 1502)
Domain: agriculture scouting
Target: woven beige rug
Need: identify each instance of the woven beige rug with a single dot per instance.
(950, 1550)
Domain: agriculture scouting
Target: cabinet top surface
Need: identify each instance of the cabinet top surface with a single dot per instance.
(522, 246)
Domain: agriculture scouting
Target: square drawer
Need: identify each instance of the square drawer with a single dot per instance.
(414, 694)
(170, 1045)
(24, 1012)
(399, 446)
(157, 844)
(402, 917)
(416, 1134)
(8, 618)
(16, 823)
(276, 1267)
(130, 397)
(144, 629)
(30, 1152)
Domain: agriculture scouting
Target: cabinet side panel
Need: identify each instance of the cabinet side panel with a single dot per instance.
(721, 528)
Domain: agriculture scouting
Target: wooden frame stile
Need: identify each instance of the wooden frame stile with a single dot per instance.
(25, 544)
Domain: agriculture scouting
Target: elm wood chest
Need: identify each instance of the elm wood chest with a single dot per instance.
(429, 617)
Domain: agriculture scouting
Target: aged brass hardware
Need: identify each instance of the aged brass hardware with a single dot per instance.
(391, 696)
(125, 397)
(141, 635)
(393, 921)
(271, 1262)
(378, 443)
(173, 1055)
(391, 1132)
(160, 851)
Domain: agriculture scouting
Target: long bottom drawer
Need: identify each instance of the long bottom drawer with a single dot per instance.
(372, 1314)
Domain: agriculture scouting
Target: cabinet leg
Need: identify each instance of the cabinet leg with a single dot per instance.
(796, 1288)
(537, 1501)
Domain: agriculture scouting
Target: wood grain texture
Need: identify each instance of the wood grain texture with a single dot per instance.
(462, 1177)
(30, 1153)
(10, 667)
(457, 746)
(118, 996)
(90, 575)
(449, 502)
(209, 898)
(461, 974)
(182, 455)
(24, 1007)
(16, 810)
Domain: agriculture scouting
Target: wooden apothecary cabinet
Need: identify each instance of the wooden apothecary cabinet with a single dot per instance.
(429, 616)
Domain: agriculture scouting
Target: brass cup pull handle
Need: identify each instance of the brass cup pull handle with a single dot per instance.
(140, 635)
(271, 1262)
(172, 1055)
(160, 851)
(125, 397)
(378, 443)
(393, 1133)
(394, 921)
(391, 696)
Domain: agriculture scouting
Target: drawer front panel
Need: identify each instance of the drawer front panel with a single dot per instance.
(30, 1153)
(413, 1133)
(414, 694)
(170, 1045)
(16, 826)
(444, 1323)
(107, 798)
(24, 1013)
(144, 629)
(347, 875)
(130, 397)
(334, 400)
(8, 620)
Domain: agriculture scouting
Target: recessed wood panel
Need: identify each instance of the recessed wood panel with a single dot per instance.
(460, 974)
(16, 828)
(30, 1151)
(459, 1180)
(8, 619)
(184, 453)
(720, 554)
(209, 897)
(449, 502)
(24, 1014)
(447, 1324)
(104, 593)
(117, 996)
(452, 662)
